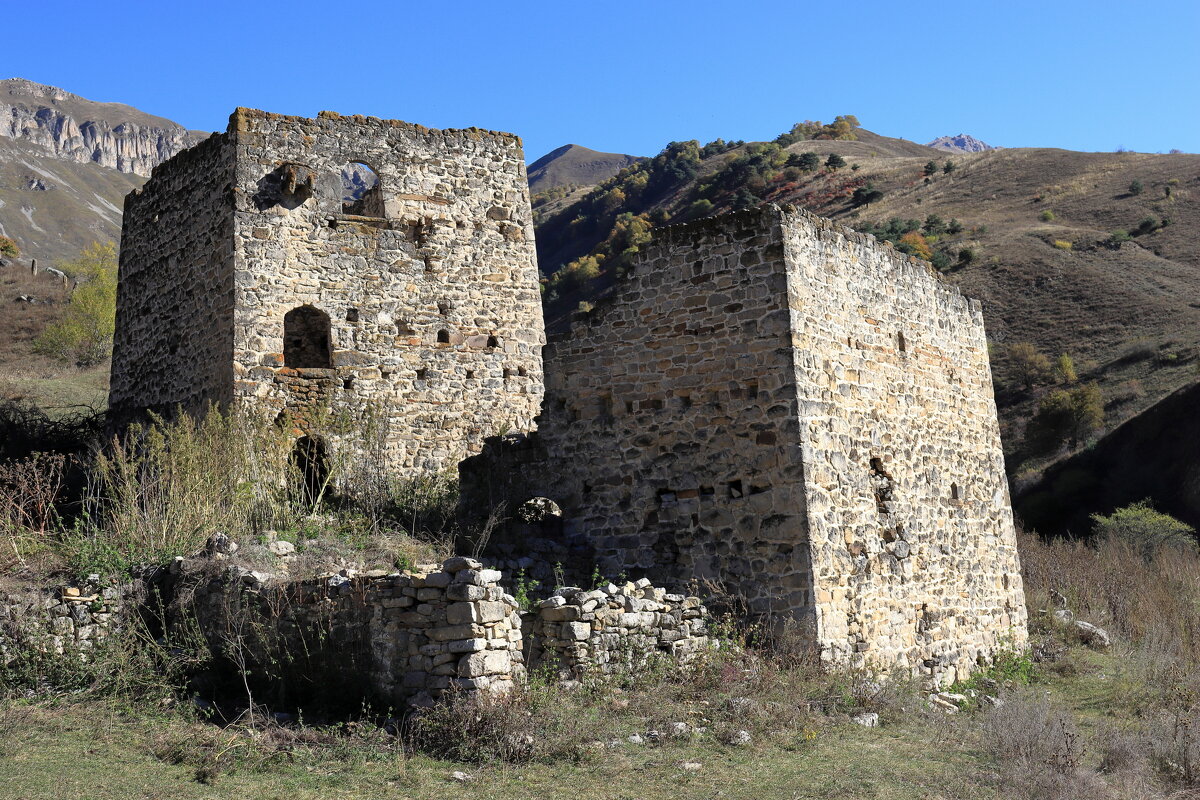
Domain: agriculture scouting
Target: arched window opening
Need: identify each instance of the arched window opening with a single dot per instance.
(306, 339)
(954, 493)
(492, 341)
(901, 343)
(541, 513)
(362, 194)
(443, 336)
(310, 458)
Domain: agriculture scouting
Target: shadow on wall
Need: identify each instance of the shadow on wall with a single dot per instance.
(1153, 455)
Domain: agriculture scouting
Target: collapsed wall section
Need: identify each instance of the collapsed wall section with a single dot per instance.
(173, 343)
(669, 437)
(414, 299)
(914, 551)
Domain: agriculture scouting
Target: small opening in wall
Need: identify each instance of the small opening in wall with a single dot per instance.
(707, 491)
(901, 343)
(348, 384)
(470, 374)
(443, 336)
(310, 458)
(735, 488)
(560, 404)
(306, 339)
(507, 373)
(385, 374)
(628, 406)
(492, 341)
(759, 489)
(685, 401)
(352, 315)
(443, 308)
(523, 373)
(422, 374)
(362, 194)
(655, 404)
(404, 329)
(752, 390)
(954, 492)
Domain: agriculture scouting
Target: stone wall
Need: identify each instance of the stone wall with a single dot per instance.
(403, 638)
(577, 632)
(424, 292)
(66, 621)
(174, 335)
(913, 545)
(797, 414)
(669, 436)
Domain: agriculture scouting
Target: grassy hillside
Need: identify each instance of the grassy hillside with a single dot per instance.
(54, 208)
(1088, 254)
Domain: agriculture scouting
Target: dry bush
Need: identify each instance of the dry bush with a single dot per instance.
(1148, 599)
(1039, 752)
(164, 488)
(30, 490)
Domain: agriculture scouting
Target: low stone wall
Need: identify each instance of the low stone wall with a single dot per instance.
(614, 628)
(405, 637)
(67, 619)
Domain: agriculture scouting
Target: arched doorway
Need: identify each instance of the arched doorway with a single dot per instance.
(306, 339)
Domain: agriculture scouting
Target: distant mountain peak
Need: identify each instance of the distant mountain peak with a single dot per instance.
(574, 164)
(962, 143)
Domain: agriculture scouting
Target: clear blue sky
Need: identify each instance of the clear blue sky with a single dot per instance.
(631, 76)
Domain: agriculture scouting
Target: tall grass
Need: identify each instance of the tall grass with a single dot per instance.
(164, 488)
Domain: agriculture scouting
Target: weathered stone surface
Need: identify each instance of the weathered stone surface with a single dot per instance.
(797, 412)
(432, 308)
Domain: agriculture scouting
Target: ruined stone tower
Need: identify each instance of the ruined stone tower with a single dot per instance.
(800, 415)
(249, 272)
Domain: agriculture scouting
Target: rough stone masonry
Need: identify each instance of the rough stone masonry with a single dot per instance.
(771, 403)
(248, 272)
(797, 414)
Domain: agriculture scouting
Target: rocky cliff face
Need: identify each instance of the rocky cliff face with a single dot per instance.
(70, 128)
(962, 143)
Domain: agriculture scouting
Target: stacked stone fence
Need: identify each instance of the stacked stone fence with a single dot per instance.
(613, 629)
(400, 638)
(67, 620)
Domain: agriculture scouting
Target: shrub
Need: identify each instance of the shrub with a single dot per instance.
(1047, 216)
(835, 162)
(1117, 238)
(1135, 188)
(1065, 416)
(1146, 529)
(1064, 369)
(806, 161)
(8, 248)
(1038, 747)
(966, 255)
(1030, 366)
(1060, 244)
(85, 334)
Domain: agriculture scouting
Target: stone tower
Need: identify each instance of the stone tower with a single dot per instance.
(345, 263)
(796, 413)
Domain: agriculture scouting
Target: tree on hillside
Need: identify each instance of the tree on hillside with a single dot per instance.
(8, 248)
(835, 161)
(1063, 415)
(806, 161)
(1029, 365)
(1144, 528)
(85, 334)
(915, 244)
(948, 168)
(931, 167)
(1064, 369)
(865, 195)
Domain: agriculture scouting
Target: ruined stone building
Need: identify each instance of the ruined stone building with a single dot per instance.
(769, 402)
(248, 271)
(798, 414)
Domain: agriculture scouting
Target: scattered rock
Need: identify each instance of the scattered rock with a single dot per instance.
(461, 777)
(868, 719)
(740, 738)
(678, 729)
(690, 766)
(281, 548)
(636, 739)
(1094, 637)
